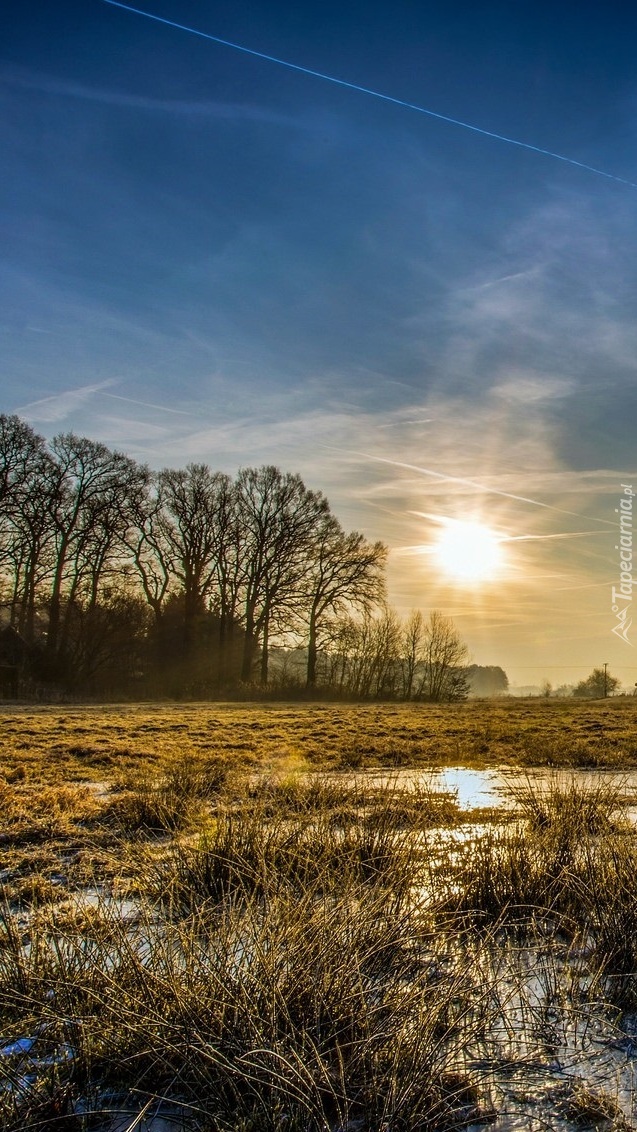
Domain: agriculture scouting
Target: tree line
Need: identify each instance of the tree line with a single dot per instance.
(189, 581)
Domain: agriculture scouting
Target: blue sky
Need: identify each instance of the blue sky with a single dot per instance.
(210, 257)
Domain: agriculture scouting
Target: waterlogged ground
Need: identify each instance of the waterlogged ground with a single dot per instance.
(319, 919)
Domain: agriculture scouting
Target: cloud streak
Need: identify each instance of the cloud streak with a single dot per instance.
(59, 406)
(447, 478)
(202, 108)
(148, 405)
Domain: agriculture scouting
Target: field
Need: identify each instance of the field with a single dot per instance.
(214, 917)
(88, 742)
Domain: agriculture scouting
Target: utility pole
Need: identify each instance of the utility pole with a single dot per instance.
(605, 679)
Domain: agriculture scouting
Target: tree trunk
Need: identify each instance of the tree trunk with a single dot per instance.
(55, 606)
(264, 653)
(249, 645)
(312, 653)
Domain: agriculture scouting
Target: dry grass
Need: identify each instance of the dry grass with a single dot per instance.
(95, 742)
(199, 905)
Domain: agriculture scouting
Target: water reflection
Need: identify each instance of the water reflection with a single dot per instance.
(496, 787)
(473, 787)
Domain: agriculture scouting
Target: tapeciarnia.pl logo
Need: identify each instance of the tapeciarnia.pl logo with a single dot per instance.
(622, 594)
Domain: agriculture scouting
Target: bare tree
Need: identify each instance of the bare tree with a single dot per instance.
(444, 657)
(369, 648)
(148, 545)
(31, 548)
(411, 651)
(22, 452)
(89, 514)
(384, 655)
(194, 501)
(278, 520)
(19, 448)
(229, 564)
(346, 573)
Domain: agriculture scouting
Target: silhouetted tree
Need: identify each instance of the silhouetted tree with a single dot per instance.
(89, 516)
(19, 448)
(346, 571)
(193, 501)
(149, 546)
(106, 568)
(443, 658)
(24, 463)
(411, 651)
(278, 518)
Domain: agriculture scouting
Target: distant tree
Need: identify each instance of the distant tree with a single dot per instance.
(546, 691)
(486, 680)
(443, 657)
(370, 654)
(596, 686)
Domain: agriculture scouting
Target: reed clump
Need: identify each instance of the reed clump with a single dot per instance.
(326, 1008)
(169, 798)
(241, 854)
(567, 806)
(550, 860)
(313, 953)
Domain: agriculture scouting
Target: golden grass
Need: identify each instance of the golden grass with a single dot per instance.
(97, 742)
(187, 920)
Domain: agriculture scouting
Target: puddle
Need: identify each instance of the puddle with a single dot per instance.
(480, 788)
(474, 788)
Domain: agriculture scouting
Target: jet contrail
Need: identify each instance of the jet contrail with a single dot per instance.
(373, 93)
(148, 405)
(515, 538)
(473, 483)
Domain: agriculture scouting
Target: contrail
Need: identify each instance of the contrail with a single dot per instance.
(148, 405)
(473, 483)
(374, 93)
(516, 538)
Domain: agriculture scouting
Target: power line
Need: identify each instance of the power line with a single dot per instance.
(374, 93)
(568, 667)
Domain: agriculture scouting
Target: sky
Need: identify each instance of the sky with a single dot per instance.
(207, 256)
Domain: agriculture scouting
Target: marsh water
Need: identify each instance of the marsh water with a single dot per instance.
(553, 1054)
(485, 788)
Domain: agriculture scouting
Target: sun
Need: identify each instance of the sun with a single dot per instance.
(469, 552)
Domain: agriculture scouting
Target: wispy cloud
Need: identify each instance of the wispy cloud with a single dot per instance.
(532, 388)
(201, 108)
(60, 406)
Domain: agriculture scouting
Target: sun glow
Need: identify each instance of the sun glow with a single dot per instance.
(469, 552)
